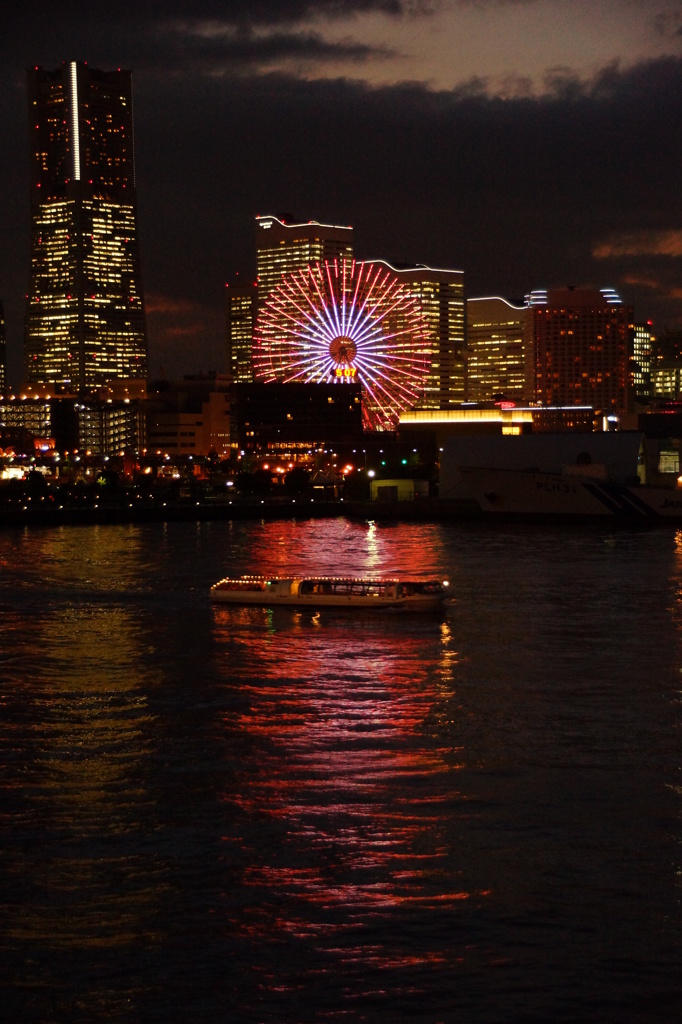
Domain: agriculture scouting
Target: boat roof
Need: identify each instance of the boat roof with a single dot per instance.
(334, 579)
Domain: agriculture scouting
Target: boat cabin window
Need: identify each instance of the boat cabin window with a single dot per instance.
(248, 585)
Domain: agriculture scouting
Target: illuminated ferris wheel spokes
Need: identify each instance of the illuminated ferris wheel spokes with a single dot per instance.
(298, 319)
(346, 321)
(362, 317)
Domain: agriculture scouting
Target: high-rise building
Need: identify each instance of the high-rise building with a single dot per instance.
(3, 350)
(666, 364)
(642, 347)
(441, 296)
(283, 246)
(580, 348)
(85, 321)
(240, 317)
(498, 345)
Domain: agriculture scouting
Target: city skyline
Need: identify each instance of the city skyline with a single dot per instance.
(530, 144)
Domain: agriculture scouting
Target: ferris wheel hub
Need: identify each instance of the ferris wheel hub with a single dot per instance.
(343, 350)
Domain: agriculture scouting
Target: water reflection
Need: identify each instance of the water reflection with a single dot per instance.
(337, 547)
(217, 813)
(357, 808)
(76, 742)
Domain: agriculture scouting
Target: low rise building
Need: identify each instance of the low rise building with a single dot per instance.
(293, 419)
(189, 417)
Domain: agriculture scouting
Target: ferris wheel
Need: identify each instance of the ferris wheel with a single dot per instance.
(346, 322)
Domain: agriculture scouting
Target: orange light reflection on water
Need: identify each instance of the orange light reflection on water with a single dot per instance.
(84, 780)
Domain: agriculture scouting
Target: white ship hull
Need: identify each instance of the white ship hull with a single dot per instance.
(518, 494)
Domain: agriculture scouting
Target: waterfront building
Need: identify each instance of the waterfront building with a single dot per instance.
(85, 321)
(292, 420)
(190, 417)
(94, 425)
(580, 348)
(498, 350)
(430, 426)
(284, 245)
(111, 427)
(240, 318)
(30, 414)
(441, 297)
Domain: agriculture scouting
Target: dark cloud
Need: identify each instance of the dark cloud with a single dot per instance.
(221, 50)
(644, 243)
(203, 38)
(669, 24)
(151, 13)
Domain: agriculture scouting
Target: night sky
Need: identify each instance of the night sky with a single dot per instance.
(530, 143)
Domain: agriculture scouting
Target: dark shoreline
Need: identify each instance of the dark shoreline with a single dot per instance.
(426, 510)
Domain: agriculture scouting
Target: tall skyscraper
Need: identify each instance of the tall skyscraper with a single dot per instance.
(283, 246)
(642, 343)
(85, 321)
(240, 318)
(441, 297)
(580, 348)
(498, 349)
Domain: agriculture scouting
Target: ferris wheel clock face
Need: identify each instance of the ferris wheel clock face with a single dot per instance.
(346, 322)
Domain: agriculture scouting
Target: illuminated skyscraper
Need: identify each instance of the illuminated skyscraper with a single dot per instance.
(642, 343)
(282, 247)
(85, 322)
(498, 350)
(666, 364)
(580, 348)
(240, 316)
(441, 297)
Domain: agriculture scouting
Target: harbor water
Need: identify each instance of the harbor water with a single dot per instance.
(216, 814)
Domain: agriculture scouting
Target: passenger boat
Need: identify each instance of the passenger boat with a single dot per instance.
(333, 592)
